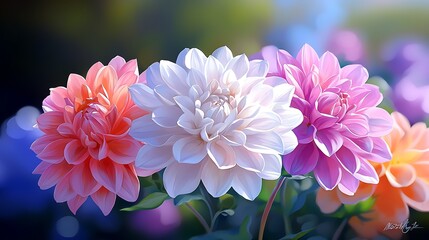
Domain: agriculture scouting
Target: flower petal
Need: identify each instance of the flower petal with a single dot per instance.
(249, 160)
(223, 54)
(366, 173)
(222, 154)
(123, 151)
(75, 203)
(302, 160)
(401, 175)
(53, 174)
(154, 158)
(189, 150)
(247, 184)
(217, 181)
(272, 167)
(327, 173)
(75, 153)
(181, 178)
(144, 97)
(380, 122)
(328, 141)
(104, 199)
(327, 201)
(130, 184)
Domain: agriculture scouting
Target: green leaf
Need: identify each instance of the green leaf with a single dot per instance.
(297, 235)
(146, 181)
(181, 199)
(151, 201)
(227, 212)
(227, 201)
(298, 177)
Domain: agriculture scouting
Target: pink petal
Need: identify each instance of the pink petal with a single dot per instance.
(41, 167)
(216, 181)
(106, 78)
(130, 185)
(356, 73)
(222, 154)
(302, 160)
(380, 152)
(348, 159)
(75, 203)
(329, 69)
(92, 73)
(107, 174)
(39, 144)
(64, 191)
(380, 122)
(307, 57)
(356, 124)
(181, 178)
(54, 151)
(129, 67)
(82, 181)
(401, 175)
(74, 86)
(367, 173)
(328, 141)
(123, 151)
(75, 153)
(48, 122)
(117, 63)
(348, 183)
(53, 174)
(327, 173)
(104, 199)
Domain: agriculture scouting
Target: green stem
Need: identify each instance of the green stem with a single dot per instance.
(286, 220)
(340, 229)
(199, 217)
(206, 201)
(268, 207)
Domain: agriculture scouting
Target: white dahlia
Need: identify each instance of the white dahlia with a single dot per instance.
(218, 119)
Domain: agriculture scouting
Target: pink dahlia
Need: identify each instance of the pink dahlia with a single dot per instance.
(86, 149)
(342, 126)
(215, 119)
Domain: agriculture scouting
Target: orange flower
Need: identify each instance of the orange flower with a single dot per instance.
(404, 182)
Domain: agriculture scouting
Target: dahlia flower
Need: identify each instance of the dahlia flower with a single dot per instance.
(342, 126)
(404, 182)
(218, 119)
(86, 149)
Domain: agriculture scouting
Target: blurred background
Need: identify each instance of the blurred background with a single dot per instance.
(43, 41)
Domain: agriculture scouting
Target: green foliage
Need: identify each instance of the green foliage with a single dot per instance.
(227, 201)
(182, 199)
(243, 233)
(348, 210)
(151, 201)
(296, 236)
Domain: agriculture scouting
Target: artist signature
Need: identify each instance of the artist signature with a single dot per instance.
(405, 226)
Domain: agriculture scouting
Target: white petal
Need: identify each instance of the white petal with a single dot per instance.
(189, 150)
(223, 54)
(272, 168)
(196, 78)
(166, 116)
(258, 68)
(283, 94)
(265, 121)
(213, 69)
(249, 160)
(165, 94)
(247, 184)
(143, 96)
(195, 59)
(217, 181)
(222, 154)
(153, 158)
(290, 117)
(145, 130)
(181, 178)
(289, 140)
(235, 138)
(181, 58)
(185, 103)
(239, 65)
(174, 76)
(265, 142)
(153, 76)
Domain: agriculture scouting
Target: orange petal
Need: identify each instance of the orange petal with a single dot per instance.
(328, 200)
(401, 175)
